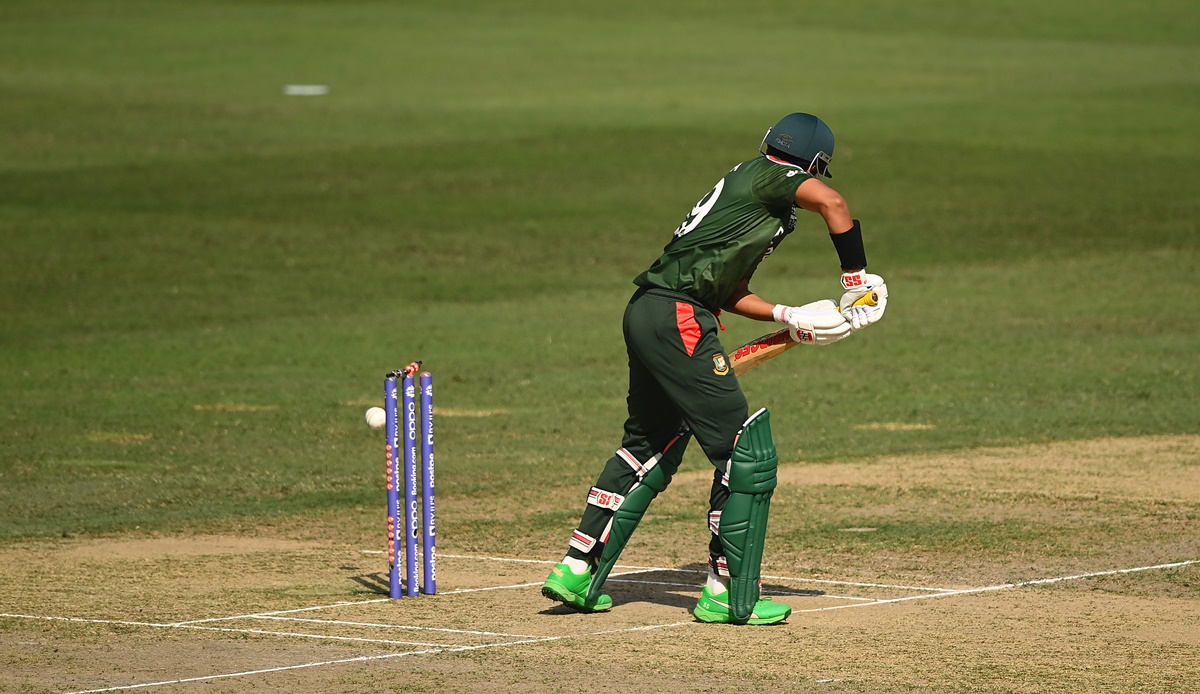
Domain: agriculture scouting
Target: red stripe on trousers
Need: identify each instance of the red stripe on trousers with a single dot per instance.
(689, 329)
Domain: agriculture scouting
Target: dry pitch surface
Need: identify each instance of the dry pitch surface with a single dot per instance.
(1114, 607)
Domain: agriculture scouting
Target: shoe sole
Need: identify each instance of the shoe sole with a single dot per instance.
(570, 600)
(710, 617)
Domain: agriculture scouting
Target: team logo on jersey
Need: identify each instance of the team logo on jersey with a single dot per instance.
(720, 364)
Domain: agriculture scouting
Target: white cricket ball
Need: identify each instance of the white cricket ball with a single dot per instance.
(376, 417)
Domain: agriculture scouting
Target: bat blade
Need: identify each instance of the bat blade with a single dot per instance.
(757, 351)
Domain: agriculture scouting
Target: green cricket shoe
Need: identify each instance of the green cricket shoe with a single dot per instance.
(571, 588)
(714, 611)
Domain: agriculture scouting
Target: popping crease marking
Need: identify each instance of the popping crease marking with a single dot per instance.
(1008, 586)
(365, 658)
(260, 632)
(644, 569)
(693, 586)
(285, 668)
(349, 603)
(399, 626)
(458, 649)
(487, 588)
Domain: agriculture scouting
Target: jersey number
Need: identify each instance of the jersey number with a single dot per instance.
(700, 210)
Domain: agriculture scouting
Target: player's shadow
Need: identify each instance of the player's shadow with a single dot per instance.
(700, 570)
(679, 588)
(667, 588)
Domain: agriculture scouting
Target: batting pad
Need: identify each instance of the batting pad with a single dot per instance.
(743, 525)
(629, 511)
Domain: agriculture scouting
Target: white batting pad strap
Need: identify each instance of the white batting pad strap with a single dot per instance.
(607, 529)
(632, 462)
(603, 499)
(582, 541)
(719, 566)
(714, 522)
(641, 468)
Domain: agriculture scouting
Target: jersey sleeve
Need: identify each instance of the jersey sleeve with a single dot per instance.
(776, 187)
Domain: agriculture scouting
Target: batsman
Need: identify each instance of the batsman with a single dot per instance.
(682, 383)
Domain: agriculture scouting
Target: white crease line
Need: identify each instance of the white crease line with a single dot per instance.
(945, 593)
(284, 668)
(696, 587)
(650, 627)
(632, 570)
(507, 559)
(85, 620)
(275, 613)
(185, 625)
(797, 579)
(365, 658)
(696, 571)
(635, 571)
(823, 595)
(693, 586)
(313, 636)
(523, 585)
(481, 590)
(399, 626)
(253, 615)
(118, 622)
(1007, 586)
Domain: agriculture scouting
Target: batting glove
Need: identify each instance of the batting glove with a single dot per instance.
(818, 323)
(858, 285)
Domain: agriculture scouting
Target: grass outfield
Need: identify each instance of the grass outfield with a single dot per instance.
(202, 280)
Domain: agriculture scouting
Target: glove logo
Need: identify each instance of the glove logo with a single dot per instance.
(720, 364)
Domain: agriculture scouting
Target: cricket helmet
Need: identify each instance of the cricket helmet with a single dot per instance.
(803, 139)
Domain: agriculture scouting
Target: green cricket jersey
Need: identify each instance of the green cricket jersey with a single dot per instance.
(729, 232)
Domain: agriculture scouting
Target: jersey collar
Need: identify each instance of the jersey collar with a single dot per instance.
(777, 160)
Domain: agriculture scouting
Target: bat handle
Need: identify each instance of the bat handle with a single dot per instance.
(871, 298)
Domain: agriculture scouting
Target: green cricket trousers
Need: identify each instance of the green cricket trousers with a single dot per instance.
(681, 385)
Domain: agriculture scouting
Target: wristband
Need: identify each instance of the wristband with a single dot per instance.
(779, 313)
(850, 248)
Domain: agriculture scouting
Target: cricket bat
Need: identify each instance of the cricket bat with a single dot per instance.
(771, 345)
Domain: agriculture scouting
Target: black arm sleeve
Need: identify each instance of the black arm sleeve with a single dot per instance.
(850, 249)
